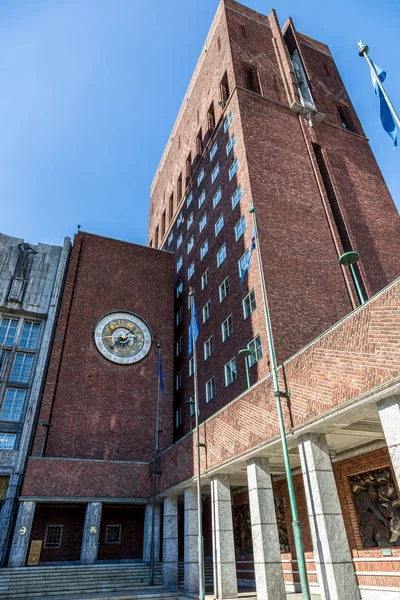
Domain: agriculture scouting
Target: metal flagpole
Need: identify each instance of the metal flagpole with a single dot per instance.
(198, 446)
(153, 501)
(277, 393)
(363, 51)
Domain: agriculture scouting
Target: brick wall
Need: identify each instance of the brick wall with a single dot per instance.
(72, 519)
(131, 519)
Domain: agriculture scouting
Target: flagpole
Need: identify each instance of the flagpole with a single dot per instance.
(277, 393)
(198, 446)
(153, 501)
(363, 51)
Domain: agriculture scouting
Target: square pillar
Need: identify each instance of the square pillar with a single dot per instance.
(333, 561)
(191, 541)
(148, 519)
(270, 584)
(170, 542)
(22, 534)
(225, 581)
(389, 414)
(91, 533)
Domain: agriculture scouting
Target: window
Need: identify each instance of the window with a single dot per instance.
(217, 197)
(163, 218)
(211, 117)
(178, 417)
(224, 289)
(255, 347)
(4, 358)
(240, 227)
(29, 336)
(219, 43)
(179, 189)
(179, 346)
(179, 289)
(171, 206)
(237, 194)
(113, 534)
(191, 366)
(7, 441)
(230, 372)
(189, 221)
(219, 225)
(12, 405)
(227, 328)
(179, 378)
(224, 88)
(204, 250)
(192, 405)
(179, 316)
(221, 255)
(208, 348)
(199, 143)
(156, 237)
(345, 119)
(326, 69)
(210, 389)
(170, 238)
(203, 222)
(179, 241)
(200, 177)
(214, 173)
(206, 311)
(191, 270)
(230, 144)
(205, 278)
(189, 200)
(8, 328)
(22, 367)
(179, 263)
(249, 304)
(243, 30)
(213, 150)
(243, 262)
(188, 168)
(202, 197)
(190, 244)
(303, 86)
(228, 122)
(179, 219)
(251, 79)
(53, 536)
(233, 169)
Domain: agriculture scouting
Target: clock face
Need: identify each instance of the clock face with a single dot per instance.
(122, 337)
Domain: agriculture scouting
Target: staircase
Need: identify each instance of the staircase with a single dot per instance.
(42, 582)
(208, 575)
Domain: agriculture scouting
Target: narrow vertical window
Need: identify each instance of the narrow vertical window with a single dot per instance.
(211, 117)
(171, 207)
(199, 143)
(243, 30)
(251, 79)
(188, 168)
(345, 119)
(224, 88)
(163, 218)
(156, 237)
(219, 43)
(179, 189)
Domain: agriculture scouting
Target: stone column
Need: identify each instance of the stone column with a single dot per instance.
(389, 414)
(91, 533)
(22, 534)
(170, 542)
(225, 581)
(148, 514)
(191, 541)
(333, 561)
(264, 532)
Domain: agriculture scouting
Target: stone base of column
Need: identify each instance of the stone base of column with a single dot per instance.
(22, 534)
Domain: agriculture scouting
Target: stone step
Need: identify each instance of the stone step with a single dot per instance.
(33, 593)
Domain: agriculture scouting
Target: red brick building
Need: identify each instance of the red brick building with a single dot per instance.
(266, 120)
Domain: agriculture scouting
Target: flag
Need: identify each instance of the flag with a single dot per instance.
(387, 120)
(248, 255)
(160, 375)
(194, 323)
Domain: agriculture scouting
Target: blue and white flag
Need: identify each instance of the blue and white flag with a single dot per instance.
(193, 328)
(160, 375)
(387, 120)
(247, 266)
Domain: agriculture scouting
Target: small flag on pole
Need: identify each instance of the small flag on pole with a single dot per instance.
(195, 331)
(387, 120)
(160, 375)
(248, 255)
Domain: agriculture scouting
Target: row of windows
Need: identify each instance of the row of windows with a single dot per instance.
(230, 374)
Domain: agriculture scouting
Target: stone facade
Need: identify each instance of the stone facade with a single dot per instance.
(31, 282)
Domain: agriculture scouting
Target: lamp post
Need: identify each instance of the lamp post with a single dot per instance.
(350, 259)
(246, 352)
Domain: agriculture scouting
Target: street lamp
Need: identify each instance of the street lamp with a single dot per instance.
(246, 352)
(350, 259)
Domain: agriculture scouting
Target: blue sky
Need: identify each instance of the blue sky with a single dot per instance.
(91, 88)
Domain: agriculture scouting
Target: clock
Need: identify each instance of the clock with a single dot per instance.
(122, 337)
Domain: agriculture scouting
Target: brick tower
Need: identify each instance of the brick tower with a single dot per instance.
(266, 119)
